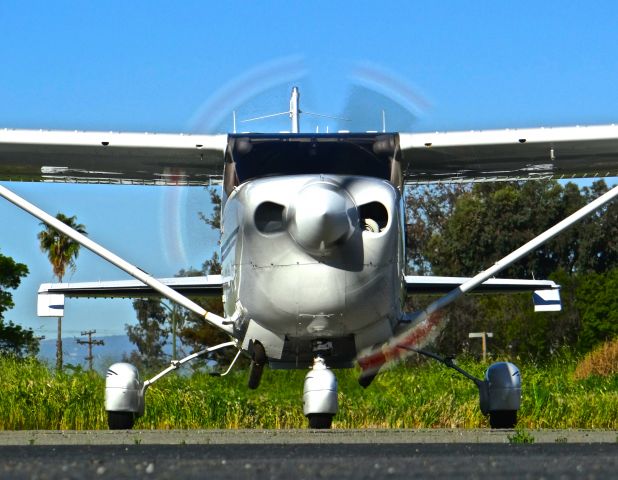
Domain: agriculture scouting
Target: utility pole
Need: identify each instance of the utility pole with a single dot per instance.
(484, 336)
(90, 342)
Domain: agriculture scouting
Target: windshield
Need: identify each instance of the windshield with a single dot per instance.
(338, 155)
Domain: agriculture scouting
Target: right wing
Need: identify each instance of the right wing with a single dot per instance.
(111, 157)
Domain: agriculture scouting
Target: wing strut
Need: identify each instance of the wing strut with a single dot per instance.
(132, 270)
(423, 323)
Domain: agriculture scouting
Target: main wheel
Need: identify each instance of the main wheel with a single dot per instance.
(120, 420)
(503, 418)
(320, 421)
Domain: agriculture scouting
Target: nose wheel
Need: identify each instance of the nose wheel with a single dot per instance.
(320, 421)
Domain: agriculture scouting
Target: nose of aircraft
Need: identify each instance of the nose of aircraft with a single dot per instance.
(323, 216)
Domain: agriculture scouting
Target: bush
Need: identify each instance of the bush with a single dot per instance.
(602, 361)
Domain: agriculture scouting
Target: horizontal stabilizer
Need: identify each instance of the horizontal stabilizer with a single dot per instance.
(547, 301)
(203, 286)
(421, 284)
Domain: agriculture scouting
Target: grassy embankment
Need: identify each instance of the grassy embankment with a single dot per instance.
(425, 396)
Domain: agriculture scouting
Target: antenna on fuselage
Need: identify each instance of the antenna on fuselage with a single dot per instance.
(294, 112)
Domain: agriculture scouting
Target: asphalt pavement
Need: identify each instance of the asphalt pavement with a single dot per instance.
(272, 454)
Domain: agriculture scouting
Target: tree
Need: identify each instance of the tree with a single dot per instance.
(62, 252)
(597, 304)
(11, 274)
(463, 232)
(149, 335)
(492, 220)
(428, 208)
(196, 331)
(598, 234)
(214, 219)
(158, 318)
(14, 339)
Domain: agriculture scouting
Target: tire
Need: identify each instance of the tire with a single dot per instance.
(320, 421)
(120, 420)
(503, 418)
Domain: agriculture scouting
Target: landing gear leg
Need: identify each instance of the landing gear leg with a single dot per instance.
(320, 395)
(257, 366)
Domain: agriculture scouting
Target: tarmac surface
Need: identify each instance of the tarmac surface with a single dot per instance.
(333, 454)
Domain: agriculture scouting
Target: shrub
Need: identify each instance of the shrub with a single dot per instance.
(602, 361)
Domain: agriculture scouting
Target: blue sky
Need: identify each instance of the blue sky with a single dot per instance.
(184, 66)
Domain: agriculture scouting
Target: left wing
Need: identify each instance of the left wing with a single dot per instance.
(205, 286)
(561, 152)
(111, 157)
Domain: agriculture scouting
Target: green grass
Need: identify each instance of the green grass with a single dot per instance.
(426, 396)
(521, 436)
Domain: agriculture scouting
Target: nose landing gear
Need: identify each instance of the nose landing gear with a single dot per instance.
(320, 395)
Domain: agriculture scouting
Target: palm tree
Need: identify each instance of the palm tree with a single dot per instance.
(62, 252)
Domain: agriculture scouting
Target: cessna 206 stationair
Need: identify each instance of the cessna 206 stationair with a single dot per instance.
(312, 240)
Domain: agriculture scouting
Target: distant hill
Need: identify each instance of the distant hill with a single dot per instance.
(115, 348)
(104, 355)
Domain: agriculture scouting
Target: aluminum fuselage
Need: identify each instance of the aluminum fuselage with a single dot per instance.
(313, 264)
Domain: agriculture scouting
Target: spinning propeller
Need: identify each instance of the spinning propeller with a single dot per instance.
(376, 100)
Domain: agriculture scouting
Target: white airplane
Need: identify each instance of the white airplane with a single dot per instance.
(312, 240)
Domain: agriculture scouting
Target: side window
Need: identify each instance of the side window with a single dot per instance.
(396, 173)
(230, 178)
